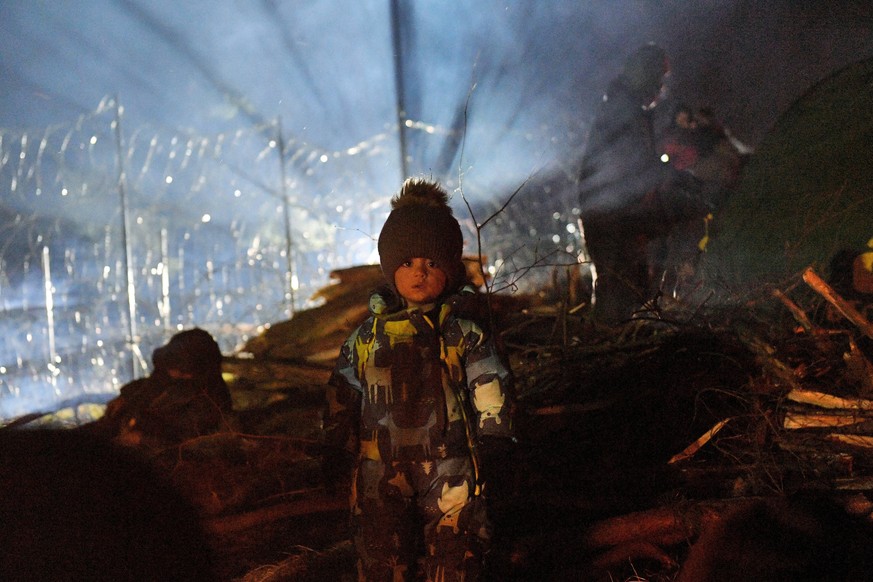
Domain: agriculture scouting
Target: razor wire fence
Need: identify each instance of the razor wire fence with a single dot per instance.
(114, 238)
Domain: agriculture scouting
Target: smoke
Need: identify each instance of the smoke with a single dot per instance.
(260, 135)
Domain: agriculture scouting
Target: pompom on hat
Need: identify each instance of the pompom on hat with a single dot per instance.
(421, 224)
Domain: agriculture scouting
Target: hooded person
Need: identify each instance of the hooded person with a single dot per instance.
(185, 396)
(194, 354)
(620, 183)
(419, 399)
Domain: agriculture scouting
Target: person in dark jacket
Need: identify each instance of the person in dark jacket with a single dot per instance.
(184, 397)
(419, 396)
(702, 150)
(622, 186)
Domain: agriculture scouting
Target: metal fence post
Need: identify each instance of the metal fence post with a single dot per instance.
(128, 266)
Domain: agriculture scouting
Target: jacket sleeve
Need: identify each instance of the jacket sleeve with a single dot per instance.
(490, 383)
(343, 400)
(621, 164)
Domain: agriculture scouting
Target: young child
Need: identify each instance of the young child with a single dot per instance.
(419, 395)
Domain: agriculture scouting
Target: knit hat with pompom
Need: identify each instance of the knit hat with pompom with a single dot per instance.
(421, 224)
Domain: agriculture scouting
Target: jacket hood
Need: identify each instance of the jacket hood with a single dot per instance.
(466, 303)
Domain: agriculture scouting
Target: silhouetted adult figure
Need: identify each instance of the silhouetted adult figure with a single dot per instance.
(184, 397)
(698, 145)
(620, 180)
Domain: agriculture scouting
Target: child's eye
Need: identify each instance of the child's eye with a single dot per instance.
(432, 264)
(407, 263)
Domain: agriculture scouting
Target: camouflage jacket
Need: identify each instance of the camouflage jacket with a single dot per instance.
(412, 385)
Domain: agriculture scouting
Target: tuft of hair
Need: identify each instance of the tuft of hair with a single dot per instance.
(423, 192)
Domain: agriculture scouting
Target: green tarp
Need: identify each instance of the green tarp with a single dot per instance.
(805, 195)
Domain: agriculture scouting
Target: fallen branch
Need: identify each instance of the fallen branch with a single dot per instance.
(824, 400)
(664, 526)
(764, 356)
(856, 440)
(819, 335)
(574, 408)
(634, 552)
(854, 484)
(797, 420)
(843, 306)
(695, 446)
(309, 505)
(858, 368)
(799, 315)
(624, 536)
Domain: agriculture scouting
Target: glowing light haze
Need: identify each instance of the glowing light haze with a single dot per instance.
(221, 157)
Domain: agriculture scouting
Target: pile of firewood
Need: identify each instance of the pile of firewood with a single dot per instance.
(790, 415)
(639, 444)
(634, 440)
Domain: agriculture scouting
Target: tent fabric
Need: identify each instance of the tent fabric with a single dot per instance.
(806, 194)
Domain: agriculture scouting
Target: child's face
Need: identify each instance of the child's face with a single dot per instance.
(420, 281)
